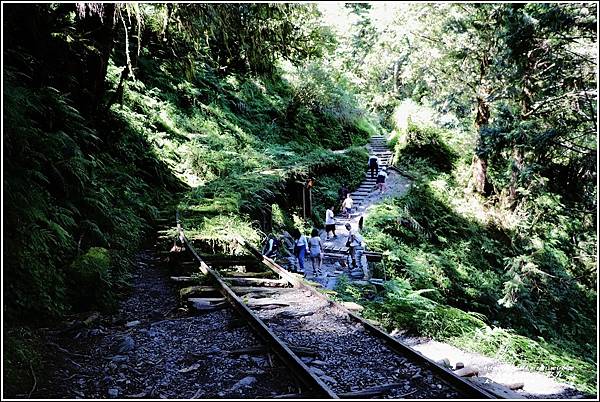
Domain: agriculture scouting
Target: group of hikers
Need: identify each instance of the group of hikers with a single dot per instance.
(381, 175)
(313, 246)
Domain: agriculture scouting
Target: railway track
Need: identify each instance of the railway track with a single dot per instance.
(332, 352)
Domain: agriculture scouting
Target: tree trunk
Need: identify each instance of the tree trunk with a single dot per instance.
(516, 168)
(480, 163)
(480, 180)
(526, 102)
(99, 29)
(396, 77)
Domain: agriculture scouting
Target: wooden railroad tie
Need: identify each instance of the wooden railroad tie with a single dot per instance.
(240, 290)
(257, 282)
(299, 350)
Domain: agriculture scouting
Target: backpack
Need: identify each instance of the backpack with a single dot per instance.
(276, 243)
(350, 240)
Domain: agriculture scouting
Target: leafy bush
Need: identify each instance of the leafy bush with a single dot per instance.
(426, 143)
(72, 184)
(90, 280)
(20, 354)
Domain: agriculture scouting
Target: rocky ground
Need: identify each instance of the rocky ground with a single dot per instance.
(151, 349)
(346, 357)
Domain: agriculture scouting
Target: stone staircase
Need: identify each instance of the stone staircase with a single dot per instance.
(335, 248)
(378, 147)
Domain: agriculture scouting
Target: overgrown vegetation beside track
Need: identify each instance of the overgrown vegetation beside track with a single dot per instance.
(472, 273)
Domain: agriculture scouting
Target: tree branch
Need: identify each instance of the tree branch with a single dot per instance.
(584, 151)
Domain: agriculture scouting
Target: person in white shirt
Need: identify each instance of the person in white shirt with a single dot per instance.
(330, 222)
(300, 248)
(381, 180)
(347, 205)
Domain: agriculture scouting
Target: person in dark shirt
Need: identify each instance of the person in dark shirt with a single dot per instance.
(374, 162)
(343, 192)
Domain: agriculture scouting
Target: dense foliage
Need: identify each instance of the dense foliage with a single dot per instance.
(85, 166)
(492, 108)
(115, 112)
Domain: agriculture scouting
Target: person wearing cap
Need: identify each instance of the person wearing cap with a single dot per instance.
(381, 180)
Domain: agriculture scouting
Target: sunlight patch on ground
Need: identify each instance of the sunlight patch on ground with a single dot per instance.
(535, 383)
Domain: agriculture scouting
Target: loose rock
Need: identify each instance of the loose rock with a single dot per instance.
(244, 382)
(126, 345)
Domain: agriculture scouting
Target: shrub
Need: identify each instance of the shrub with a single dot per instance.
(425, 143)
(20, 355)
(90, 280)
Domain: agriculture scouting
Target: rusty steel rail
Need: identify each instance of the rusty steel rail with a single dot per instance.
(459, 383)
(316, 386)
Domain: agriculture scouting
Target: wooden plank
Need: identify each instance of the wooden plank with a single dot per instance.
(263, 349)
(206, 299)
(371, 391)
(183, 279)
(201, 305)
(257, 350)
(340, 250)
(192, 291)
(287, 396)
(257, 281)
(266, 302)
(257, 289)
(499, 390)
(264, 274)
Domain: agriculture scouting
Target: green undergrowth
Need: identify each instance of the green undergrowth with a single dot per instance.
(399, 306)
(21, 360)
(72, 185)
(476, 274)
(245, 144)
